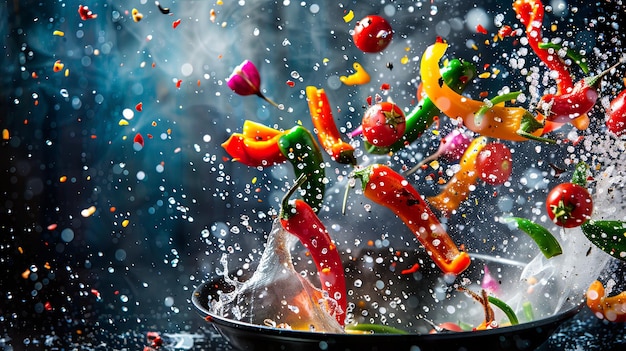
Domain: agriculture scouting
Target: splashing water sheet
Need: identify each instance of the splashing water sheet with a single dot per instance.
(118, 199)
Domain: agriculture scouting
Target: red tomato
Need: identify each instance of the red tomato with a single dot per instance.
(569, 205)
(372, 34)
(494, 164)
(617, 114)
(383, 124)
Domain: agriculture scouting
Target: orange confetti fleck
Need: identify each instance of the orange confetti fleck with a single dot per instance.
(63, 179)
(88, 211)
(52, 226)
(198, 82)
(483, 94)
(93, 136)
(47, 265)
(137, 16)
(20, 250)
(175, 23)
(411, 269)
(34, 75)
(5, 134)
(58, 66)
(213, 16)
(26, 274)
(112, 209)
(370, 243)
(139, 107)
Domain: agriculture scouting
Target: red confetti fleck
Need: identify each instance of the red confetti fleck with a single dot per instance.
(385, 86)
(291, 83)
(178, 83)
(483, 94)
(369, 100)
(96, 293)
(176, 23)
(139, 107)
(481, 29)
(149, 136)
(138, 139)
(411, 269)
(505, 31)
(85, 13)
(52, 226)
(48, 306)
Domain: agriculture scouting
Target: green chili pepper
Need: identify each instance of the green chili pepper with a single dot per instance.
(579, 59)
(300, 148)
(609, 236)
(547, 243)
(508, 311)
(457, 74)
(374, 328)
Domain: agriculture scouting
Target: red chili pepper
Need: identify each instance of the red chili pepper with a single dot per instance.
(530, 13)
(299, 219)
(257, 146)
(326, 129)
(563, 108)
(611, 308)
(388, 188)
(617, 114)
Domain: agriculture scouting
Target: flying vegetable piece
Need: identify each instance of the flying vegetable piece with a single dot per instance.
(608, 235)
(326, 129)
(257, 146)
(299, 219)
(359, 77)
(262, 146)
(388, 188)
(530, 13)
(383, 123)
(547, 243)
(579, 59)
(456, 74)
(301, 150)
(578, 101)
(616, 122)
(569, 205)
(458, 188)
(372, 34)
(498, 121)
(611, 308)
(246, 80)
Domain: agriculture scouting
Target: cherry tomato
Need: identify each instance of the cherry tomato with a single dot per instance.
(383, 124)
(372, 34)
(494, 164)
(569, 205)
(617, 114)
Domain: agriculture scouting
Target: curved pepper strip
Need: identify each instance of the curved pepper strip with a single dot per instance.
(498, 121)
(388, 188)
(326, 129)
(611, 308)
(257, 146)
(457, 189)
(530, 13)
(299, 219)
(456, 74)
(300, 148)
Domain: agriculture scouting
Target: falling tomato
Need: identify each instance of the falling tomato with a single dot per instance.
(372, 34)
